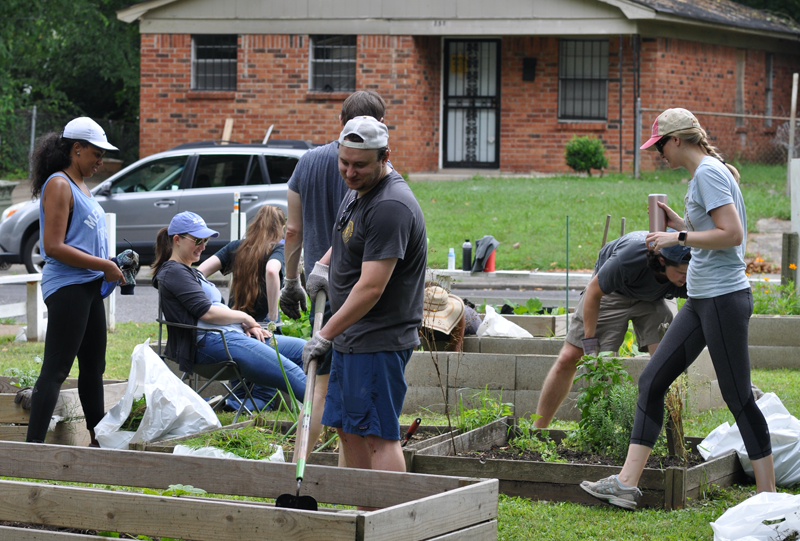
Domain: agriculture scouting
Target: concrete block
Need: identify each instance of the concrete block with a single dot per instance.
(767, 330)
(635, 365)
(702, 369)
(532, 371)
(541, 325)
(478, 371)
(774, 356)
(420, 399)
(421, 368)
(471, 400)
(472, 344)
(526, 402)
(512, 346)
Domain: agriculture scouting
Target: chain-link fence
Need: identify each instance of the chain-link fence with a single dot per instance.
(16, 131)
(739, 138)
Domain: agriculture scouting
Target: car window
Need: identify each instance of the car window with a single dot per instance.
(280, 168)
(163, 174)
(227, 170)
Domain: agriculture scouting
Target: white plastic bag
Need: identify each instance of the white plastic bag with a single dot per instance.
(784, 433)
(496, 325)
(277, 455)
(173, 408)
(745, 522)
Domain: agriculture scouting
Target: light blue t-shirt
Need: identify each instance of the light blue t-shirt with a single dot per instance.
(86, 231)
(215, 297)
(714, 272)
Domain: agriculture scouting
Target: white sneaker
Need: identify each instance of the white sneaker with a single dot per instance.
(611, 490)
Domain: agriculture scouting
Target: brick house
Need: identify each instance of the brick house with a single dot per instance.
(499, 85)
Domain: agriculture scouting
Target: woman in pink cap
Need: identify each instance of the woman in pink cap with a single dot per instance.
(74, 245)
(716, 314)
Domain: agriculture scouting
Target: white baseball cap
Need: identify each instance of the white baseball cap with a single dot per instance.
(374, 133)
(85, 129)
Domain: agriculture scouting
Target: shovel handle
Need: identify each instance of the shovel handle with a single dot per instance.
(411, 430)
(301, 445)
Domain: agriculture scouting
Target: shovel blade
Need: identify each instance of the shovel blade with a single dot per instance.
(290, 501)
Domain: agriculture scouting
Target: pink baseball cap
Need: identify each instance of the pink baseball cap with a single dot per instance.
(670, 121)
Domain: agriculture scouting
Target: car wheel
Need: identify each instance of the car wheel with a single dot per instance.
(31, 255)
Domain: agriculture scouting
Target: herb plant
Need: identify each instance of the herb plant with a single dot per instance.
(491, 409)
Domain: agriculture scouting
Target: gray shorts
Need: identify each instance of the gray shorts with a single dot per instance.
(612, 321)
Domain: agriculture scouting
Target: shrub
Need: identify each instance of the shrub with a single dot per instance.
(586, 153)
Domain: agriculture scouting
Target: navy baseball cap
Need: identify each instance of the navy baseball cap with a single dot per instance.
(191, 223)
(676, 254)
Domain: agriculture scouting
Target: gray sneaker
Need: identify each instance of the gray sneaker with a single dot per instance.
(612, 491)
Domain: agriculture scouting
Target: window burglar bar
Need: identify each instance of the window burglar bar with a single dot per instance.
(214, 62)
(583, 79)
(333, 63)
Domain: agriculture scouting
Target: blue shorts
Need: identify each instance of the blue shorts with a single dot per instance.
(366, 393)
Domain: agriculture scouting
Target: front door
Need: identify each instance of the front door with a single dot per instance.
(472, 103)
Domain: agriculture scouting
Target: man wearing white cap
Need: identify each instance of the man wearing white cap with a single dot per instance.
(377, 278)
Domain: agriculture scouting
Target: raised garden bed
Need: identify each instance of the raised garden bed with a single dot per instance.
(411, 507)
(667, 488)
(71, 430)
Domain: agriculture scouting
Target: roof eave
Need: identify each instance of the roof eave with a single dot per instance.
(135, 12)
(774, 34)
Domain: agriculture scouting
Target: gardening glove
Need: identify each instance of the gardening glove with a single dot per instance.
(316, 348)
(24, 397)
(317, 281)
(293, 298)
(591, 346)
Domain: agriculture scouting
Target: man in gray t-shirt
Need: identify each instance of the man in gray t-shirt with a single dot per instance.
(629, 284)
(316, 190)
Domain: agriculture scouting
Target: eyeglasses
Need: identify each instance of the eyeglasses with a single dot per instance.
(346, 213)
(197, 242)
(661, 143)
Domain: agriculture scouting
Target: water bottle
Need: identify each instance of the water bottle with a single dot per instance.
(466, 256)
(451, 259)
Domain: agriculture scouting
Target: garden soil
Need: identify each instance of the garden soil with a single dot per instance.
(577, 457)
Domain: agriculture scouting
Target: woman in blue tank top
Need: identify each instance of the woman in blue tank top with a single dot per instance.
(74, 245)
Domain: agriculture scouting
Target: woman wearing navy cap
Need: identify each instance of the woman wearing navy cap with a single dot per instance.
(74, 245)
(716, 314)
(188, 298)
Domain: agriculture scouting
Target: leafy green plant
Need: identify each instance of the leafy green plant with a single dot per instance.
(529, 307)
(25, 378)
(585, 153)
(629, 347)
(774, 299)
(601, 374)
(249, 442)
(531, 439)
(490, 409)
(606, 427)
(135, 416)
(300, 328)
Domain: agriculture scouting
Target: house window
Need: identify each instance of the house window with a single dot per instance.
(214, 62)
(768, 89)
(333, 63)
(583, 79)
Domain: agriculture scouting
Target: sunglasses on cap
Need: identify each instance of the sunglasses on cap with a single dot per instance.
(346, 213)
(197, 242)
(661, 143)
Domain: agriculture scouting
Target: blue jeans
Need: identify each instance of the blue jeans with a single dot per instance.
(257, 361)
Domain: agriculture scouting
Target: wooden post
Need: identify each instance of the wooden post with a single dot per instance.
(789, 257)
(110, 302)
(37, 324)
(795, 202)
(792, 127)
(226, 131)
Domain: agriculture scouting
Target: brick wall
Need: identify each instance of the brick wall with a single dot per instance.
(272, 88)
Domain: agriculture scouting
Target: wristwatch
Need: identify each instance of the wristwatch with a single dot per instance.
(682, 238)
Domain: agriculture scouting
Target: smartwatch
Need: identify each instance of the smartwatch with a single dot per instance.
(682, 238)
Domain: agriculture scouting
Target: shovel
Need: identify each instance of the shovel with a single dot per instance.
(296, 501)
(411, 430)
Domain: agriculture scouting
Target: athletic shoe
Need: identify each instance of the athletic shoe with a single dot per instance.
(612, 490)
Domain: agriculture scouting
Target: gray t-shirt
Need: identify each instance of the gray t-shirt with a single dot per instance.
(386, 223)
(622, 268)
(714, 272)
(316, 178)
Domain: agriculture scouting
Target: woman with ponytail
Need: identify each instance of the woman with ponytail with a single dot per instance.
(188, 297)
(716, 314)
(257, 263)
(74, 245)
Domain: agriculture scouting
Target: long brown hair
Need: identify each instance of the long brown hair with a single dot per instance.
(163, 249)
(263, 234)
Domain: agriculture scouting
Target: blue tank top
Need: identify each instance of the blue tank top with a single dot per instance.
(86, 231)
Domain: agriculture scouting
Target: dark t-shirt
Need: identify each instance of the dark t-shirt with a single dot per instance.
(182, 301)
(321, 188)
(622, 267)
(227, 256)
(386, 223)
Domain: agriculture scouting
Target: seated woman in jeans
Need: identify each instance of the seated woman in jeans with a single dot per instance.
(188, 298)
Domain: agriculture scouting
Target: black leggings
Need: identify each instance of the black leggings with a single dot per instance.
(76, 325)
(721, 324)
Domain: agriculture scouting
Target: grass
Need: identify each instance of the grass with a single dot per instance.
(520, 519)
(532, 212)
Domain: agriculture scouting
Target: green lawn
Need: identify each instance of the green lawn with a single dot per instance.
(522, 519)
(533, 211)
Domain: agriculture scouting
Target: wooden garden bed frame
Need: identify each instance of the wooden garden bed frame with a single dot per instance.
(412, 507)
(70, 431)
(669, 488)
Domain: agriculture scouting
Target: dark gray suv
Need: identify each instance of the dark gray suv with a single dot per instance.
(200, 177)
